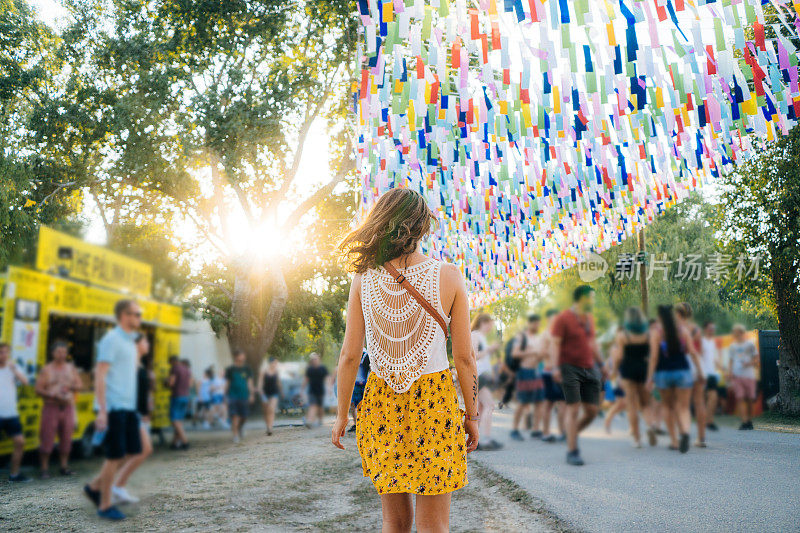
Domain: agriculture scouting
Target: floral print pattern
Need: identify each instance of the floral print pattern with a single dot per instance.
(413, 441)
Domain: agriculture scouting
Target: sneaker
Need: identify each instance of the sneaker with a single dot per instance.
(93, 495)
(652, 436)
(750, 425)
(637, 444)
(236, 439)
(206, 425)
(561, 438)
(700, 444)
(120, 495)
(743, 427)
(574, 458)
(712, 426)
(536, 434)
(184, 446)
(684, 443)
(490, 446)
(112, 513)
(549, 438)
(19, 478)
(66, 471)
(516, 435)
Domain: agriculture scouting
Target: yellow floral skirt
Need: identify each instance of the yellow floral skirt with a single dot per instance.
(412, 442)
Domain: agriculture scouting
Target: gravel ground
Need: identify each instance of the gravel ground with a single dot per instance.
(292, 481)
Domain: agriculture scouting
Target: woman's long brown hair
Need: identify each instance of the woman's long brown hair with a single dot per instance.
(393, 228)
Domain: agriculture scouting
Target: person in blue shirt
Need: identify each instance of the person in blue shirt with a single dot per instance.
(115, 397)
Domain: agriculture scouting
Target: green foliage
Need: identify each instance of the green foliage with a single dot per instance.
(685, 230)
(760, 214)
(31, 174)
(196, 114)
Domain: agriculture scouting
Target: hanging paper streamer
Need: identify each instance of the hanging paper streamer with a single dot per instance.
(540, 130)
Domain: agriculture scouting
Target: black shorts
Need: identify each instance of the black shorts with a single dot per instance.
(487, 380)
(712, 382)
(238, 407)
(123, 434)
(10, 427)
(581, 385)
(316, 398)
(552, 390)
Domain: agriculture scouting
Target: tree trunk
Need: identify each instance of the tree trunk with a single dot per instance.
(787, 298)
(247, 330)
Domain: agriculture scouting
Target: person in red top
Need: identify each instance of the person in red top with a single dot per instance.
(575, 356)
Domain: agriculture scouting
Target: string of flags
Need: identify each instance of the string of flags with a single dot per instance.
(541, 130)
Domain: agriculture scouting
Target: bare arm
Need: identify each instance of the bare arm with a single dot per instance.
(689, 340)
(463, 355)
(654, 353)
(616, 353)
(100, 372)
(349, 359)
(77, 383)
(41, 383)
(22, 378)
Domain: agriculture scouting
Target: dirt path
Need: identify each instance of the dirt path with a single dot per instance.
(292, 481)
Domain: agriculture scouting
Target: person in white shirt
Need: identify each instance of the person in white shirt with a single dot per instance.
(710, 359)
(481, 326)
(743, 357)
(10, 425)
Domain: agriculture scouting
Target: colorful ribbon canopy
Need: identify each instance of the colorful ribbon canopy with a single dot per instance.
(540, 130)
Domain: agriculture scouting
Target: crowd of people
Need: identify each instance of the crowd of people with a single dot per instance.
(659, 371)
(124, 383)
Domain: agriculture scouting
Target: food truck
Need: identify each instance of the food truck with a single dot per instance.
(69, 294)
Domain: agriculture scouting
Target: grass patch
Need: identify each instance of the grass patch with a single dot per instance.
(514, 493)
(773, 421)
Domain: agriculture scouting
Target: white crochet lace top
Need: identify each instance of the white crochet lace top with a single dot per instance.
(403, 340)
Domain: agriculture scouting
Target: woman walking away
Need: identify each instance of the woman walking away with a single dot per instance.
(669, 369)
(410, 430)
(632, 348)
(481, 326)
(698, 400)
(269, 384)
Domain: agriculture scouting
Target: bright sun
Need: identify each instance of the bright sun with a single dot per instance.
(262, 242)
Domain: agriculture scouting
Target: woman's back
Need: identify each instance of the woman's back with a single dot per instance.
(403, 340)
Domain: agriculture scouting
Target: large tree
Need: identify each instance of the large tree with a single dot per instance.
(31, 173)
(760, 214)
(206, 110)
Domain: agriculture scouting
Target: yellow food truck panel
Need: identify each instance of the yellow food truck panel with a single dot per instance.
(36, 307)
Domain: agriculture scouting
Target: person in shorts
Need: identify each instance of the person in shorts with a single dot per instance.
(575, 358)
(269, 383)
(179, 383)
(529, 385)
(553, 395)
(10, 426)
(316, 374)
(115, 397)
(711, 360)
(358, 388)
(743, 356)
(240, 390)
(57, 384)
